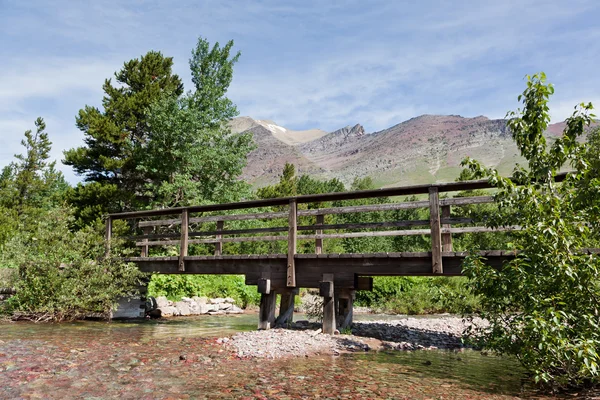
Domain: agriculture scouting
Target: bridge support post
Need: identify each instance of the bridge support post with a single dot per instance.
(268, 300)
(286, 307)
(266, 314)
(344, 306)
(326, 290)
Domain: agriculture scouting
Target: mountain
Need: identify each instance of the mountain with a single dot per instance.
(424, 149)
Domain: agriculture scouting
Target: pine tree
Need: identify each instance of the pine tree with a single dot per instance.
(114, 136)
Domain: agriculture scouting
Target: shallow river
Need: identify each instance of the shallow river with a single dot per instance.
(179, 358)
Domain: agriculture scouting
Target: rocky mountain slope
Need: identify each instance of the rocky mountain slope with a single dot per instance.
(424, 149)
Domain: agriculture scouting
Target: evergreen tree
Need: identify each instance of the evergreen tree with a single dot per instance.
(114, 136)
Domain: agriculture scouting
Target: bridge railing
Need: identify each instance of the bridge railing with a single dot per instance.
(181, 228)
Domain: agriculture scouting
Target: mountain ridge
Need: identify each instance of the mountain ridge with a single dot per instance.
(423, 149)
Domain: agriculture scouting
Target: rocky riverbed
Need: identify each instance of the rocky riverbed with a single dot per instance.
(303, 338)
(194, 306)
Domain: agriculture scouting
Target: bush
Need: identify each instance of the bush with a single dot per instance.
(175, 287)
(63, 275)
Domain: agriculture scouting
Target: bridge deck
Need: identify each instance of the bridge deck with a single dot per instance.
(311, 267)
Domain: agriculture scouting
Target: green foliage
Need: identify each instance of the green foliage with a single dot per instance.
(191, 156)
(543, 306)
(62, 274)
(175, 287)
(115, 136)
(419, 295)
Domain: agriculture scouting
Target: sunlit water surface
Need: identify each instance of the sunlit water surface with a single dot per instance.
(179, 358)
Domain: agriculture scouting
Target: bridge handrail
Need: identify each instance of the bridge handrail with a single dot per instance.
(439, 221)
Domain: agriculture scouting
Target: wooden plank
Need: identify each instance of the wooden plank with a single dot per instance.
(108, 236)
(145, 251)
(318, 198)
(328, 308)
(406, 232)
(321, 211)
(366, 225)
(367, 208)
(216, 218)
(183, 249)
(319, 241)
(481, 229)
(436, 232)
(292, 232)
(463, 201)
(219, 238)
(239, 231)
(446, 237)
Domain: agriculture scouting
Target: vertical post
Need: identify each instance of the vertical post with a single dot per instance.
(326, 290)
(108, 235)
(266, 314)
(145, 248)
(183, 247)
(446, 237)
(436, 231)
(286, 307)
(219, 244)
(319, 242)
(291, 265)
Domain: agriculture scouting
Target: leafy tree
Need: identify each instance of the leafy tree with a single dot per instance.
(191, 155)
(32, 180)
(543, 306)
(115, 136)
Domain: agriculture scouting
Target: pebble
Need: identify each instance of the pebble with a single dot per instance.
(304, 339)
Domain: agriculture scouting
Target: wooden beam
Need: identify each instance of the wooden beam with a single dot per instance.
(183, 247)
(145, 252)
(219, 238)
(286, 307)
(328, 307)
(319, 241)
(266, 314)
(446, 237)
(436, 232)
(292, 233)
(108, 235)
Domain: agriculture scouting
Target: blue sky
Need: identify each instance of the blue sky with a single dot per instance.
(304, 64)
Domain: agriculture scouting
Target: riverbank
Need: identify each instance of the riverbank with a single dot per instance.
(304, 338)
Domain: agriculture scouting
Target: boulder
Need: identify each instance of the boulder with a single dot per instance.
(204, 308)
(183, 308)
(168, 311)
(161, 301)
(200, 300)
(218, 300)
(225, 306)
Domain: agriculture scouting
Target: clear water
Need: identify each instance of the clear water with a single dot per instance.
(179, 358)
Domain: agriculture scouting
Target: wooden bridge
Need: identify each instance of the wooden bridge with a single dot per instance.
(301, 218)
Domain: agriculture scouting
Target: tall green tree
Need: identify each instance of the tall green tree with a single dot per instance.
(544, 306)
(32, 181)
(191, 156)
(115, 135)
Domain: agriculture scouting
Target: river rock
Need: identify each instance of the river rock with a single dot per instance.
(162, 301)
(225, 306)
(200, 300)
(183, 308)
(167, 311)
(235, 310)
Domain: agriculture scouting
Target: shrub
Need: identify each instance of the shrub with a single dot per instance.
(62, 275)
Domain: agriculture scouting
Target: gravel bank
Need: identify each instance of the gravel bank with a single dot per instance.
(303, 338)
